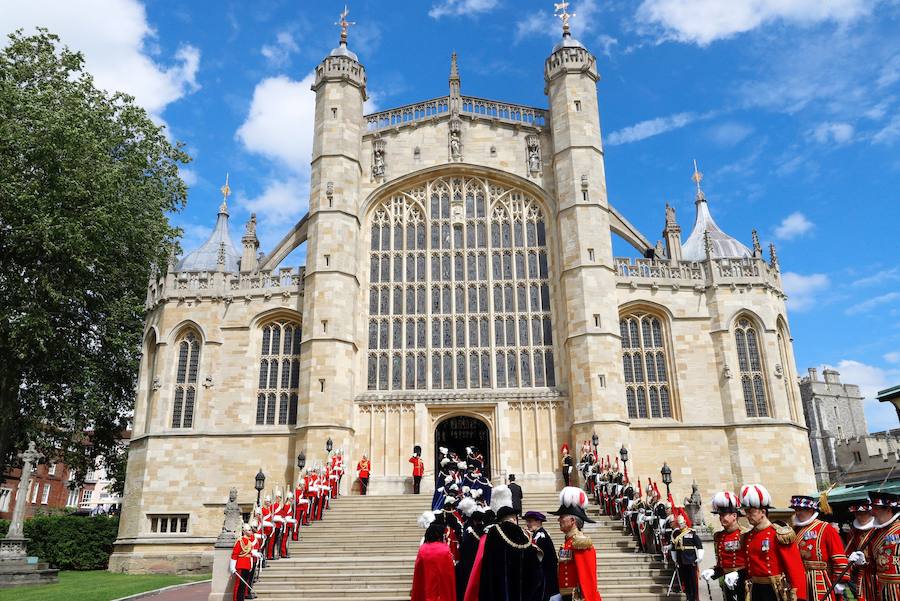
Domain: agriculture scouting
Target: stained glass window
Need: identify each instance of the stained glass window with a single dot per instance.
(279, 373)
(644, 358)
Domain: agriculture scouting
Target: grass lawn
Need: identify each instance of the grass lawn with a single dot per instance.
(93, 586)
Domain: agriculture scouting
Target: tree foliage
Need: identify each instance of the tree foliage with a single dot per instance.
(87, 181)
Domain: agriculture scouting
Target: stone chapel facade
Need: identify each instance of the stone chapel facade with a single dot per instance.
(459, 285)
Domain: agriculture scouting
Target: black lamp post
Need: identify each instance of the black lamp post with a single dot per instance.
(666, 473)
(329, 445)
(260, 484)
(301, 461)
(623, 455)
(595, 440)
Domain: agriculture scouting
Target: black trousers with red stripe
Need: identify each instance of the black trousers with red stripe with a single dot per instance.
(241, 591)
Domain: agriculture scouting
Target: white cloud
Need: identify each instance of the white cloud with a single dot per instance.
(867, 305)
(282, 201)
(189, 176)
(890, 133)
(456, 8)
(871, 379)
(803, 290)
(279, 124)
(794, 225)
(653, 127)
(279, 53)
(546, 24)
(118, 45)
(891, 274)
(892, 357)
(729, 133)
(839, 133)
(702, 22)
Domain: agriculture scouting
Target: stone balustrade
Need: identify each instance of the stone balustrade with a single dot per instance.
(225, 286)
(747, 271)
(478, 108)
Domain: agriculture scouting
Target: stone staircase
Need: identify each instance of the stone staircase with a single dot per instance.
(365, 549)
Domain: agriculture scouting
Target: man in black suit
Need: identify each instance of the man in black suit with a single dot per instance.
(516, 491)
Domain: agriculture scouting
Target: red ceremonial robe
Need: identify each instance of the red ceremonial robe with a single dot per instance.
(434, 578)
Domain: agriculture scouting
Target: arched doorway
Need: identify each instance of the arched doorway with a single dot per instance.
(461, 431)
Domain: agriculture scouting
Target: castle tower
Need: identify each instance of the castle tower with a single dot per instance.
(590, 331)
(329, 348)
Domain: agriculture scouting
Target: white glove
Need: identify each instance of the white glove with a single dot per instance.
(857, 558)
(839, 589)
(556, 597)
(699, 556)
(256, 554)
(674, 556)
(232, 566)
(731, 579)
(708, 574)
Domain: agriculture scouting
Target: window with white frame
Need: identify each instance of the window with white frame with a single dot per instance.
(645, 366)
(5, 496)
(279, 374)
(750, 364)
(168, 523)
(35, 489)
(86, 496)
(72, 499)
(45, 496)
(459, 292)
(51, 470)
(186, 380)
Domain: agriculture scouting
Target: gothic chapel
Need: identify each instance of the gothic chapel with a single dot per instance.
(459, 288)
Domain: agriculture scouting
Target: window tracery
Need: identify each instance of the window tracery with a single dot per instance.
(751, 370)
(459, 294)
(645, 363)
(279, 374)
(186, 380)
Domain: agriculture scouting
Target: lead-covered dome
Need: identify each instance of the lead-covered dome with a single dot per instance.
(219, 244)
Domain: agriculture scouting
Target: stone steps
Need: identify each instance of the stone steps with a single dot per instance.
(365, 548)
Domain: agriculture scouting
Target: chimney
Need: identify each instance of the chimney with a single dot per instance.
(813, 374)
(831, 376)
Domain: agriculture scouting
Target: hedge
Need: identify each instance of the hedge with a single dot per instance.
(70, 542)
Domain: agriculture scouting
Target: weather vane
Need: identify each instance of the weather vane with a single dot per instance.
(697, 177)
(345, 24)
(561, 10)
(226, 192)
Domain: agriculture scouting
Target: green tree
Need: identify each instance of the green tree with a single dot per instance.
(87, 181)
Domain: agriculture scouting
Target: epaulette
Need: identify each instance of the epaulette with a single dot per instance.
(582, 541)
(744, 530)
(785, 534)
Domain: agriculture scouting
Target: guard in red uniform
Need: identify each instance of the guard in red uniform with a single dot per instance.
(278, 520)
(300, 505)
(862, 573)
(774, 568)
(577, 567)
(821, 550)
(309, 486)
(339, 470)
(268, 525)
(364, 467)
(290, 523)
(884, 546)
(730, 556)
(418, 468)
(241, 565)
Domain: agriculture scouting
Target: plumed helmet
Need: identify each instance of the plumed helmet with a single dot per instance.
(467, 506)
(461, 465)
(425, 519)
(443, 450)
(245, 528)
(444, 461)
(725, 502)
(268, 499)
(573, 501)
(564, 449)
(755, 495)
(501, 501)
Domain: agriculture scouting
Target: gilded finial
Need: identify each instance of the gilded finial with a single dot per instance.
(226, 192)
(698, 177)
(344, 24)
(561, 10)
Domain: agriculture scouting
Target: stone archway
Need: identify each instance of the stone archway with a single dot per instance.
(461, 431)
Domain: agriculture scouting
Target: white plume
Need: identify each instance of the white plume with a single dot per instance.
(570, 496)
(502, 497)
(467, 506)
(425, 519)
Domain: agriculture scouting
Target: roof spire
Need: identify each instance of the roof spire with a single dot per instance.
(561, 10)
(344, 25)
(454, 71)
(226, 192)
(698, 177)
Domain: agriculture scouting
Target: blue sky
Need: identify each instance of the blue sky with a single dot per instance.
(791, 107)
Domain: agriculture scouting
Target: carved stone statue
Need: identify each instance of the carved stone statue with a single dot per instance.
(231, 527)
(670, 214)
(534, 155)
(455, 149)
(378, 158)
(692, 506)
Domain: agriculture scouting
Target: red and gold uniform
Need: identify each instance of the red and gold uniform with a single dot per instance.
(823, 558)
(300, 505)
(268, 525)
(884, 549)
(730, 556)
(774, 566)
(290, 524)
(242, 565)
(364, 467)
(862, 577)
(577, 568)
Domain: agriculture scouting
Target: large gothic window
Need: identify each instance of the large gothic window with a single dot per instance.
(459, 294)
(751, 368)
(645, 365)
(279, 374)
(186, 380)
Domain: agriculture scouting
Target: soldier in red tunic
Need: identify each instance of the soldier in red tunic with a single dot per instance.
(884, 546)
(821, 550)
(774, 568)
(730, 556)
(862, 573)
(278, 520)
(290, 522)
(268, 525)
(241, 564)
(309, 486)
(418, 468)
(300, 506)
(577, 567)
(364, 467)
